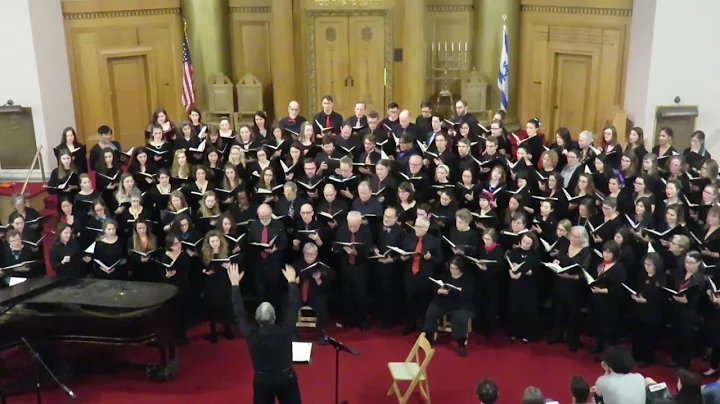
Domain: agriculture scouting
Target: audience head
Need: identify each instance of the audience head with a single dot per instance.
(617, 360)
(487, 391)
(533, 395)
(580, 389)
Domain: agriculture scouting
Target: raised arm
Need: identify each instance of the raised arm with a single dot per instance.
(293, 304)
(237, 301)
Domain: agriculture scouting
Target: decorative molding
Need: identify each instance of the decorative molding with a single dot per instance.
(19, 175)
(310, 43)
(618, 12)
(450, 8)
(576, 35)
(121, 14)
(250, 10)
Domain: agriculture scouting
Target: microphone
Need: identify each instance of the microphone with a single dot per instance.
(341, 347)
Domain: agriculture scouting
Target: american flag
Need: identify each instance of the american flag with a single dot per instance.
(188, 94)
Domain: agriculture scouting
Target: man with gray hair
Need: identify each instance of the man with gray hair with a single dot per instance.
(270, 343)
(422, 253)
(268, 241)
(315, 280)
(353, 243)
(533, 395)
(294, 120)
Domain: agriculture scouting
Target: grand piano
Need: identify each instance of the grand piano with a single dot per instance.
(50, 310)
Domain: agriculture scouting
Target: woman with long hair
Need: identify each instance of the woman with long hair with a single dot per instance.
(78, 151)
(208, 212)
(122, 195)
(64, 180)
(159, 148)
(142, 247)
(108, 173)
(66, 257)
(175, 267)
(160, 119)
(216, 294)
(636, 143)
(180, 169)
(109, 257)
(143, 170)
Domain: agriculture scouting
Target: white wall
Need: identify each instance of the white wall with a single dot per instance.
(34, 72)
(675, 55)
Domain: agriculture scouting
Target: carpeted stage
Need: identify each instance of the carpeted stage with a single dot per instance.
(222, 373)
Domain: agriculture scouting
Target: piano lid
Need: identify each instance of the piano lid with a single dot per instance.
(91, 293)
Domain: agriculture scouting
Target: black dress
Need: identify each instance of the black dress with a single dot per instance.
(111, 255)
(76, 268)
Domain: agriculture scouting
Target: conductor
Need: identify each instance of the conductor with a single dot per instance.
(270, 343)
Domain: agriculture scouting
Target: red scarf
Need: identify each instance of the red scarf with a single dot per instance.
(490, 247)
(603, 265)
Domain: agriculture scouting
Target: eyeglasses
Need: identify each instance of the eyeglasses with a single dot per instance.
(306, 213)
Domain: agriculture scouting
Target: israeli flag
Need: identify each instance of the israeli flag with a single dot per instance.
(503, 72)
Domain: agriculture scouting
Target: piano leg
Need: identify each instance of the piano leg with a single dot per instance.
(167, 368)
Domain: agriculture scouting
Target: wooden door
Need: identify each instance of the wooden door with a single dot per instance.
(367, 61)
(130, 98)
(331, 63)
(571, 87)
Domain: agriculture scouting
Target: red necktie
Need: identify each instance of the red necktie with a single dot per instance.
(379, 185)
(306, 290)
(330, 208)
(327, 121)
(416, 258)
(351, 258)
(264, 240)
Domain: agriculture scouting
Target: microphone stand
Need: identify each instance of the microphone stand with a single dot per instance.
(339, 346)
(39, 363)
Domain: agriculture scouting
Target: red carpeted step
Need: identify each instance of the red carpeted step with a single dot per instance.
(50, 202)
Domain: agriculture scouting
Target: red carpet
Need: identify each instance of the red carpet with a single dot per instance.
(222, 373)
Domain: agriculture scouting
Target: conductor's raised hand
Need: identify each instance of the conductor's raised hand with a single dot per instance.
(290, 275)
(234, 274)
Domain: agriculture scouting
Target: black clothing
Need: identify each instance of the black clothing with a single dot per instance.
(270, 348)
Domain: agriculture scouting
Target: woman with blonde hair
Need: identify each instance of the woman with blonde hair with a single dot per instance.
(180, 170)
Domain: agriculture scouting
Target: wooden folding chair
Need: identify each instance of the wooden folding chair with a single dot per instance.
(306, 317)
(413, 370)
(446, 327)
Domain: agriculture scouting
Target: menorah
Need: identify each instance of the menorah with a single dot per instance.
(446, 65)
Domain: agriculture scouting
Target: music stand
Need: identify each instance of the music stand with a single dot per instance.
(39, 363)
(339, 346)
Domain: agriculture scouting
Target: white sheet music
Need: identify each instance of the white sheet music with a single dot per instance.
(15, 281)
(302, 352)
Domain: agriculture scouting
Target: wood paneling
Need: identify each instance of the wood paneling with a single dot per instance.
(109, 43)
(130, 94)
(572, 82)
(332, 61)
(250, 45)
(586, 41)
(366, 36)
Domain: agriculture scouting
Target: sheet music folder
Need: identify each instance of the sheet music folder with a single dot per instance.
(302, 352)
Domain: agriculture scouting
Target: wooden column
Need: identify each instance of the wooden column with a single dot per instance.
(208, 34)
(488, 23)
(282, 59)
(413, 66)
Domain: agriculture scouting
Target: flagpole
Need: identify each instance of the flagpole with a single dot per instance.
(185, 27)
